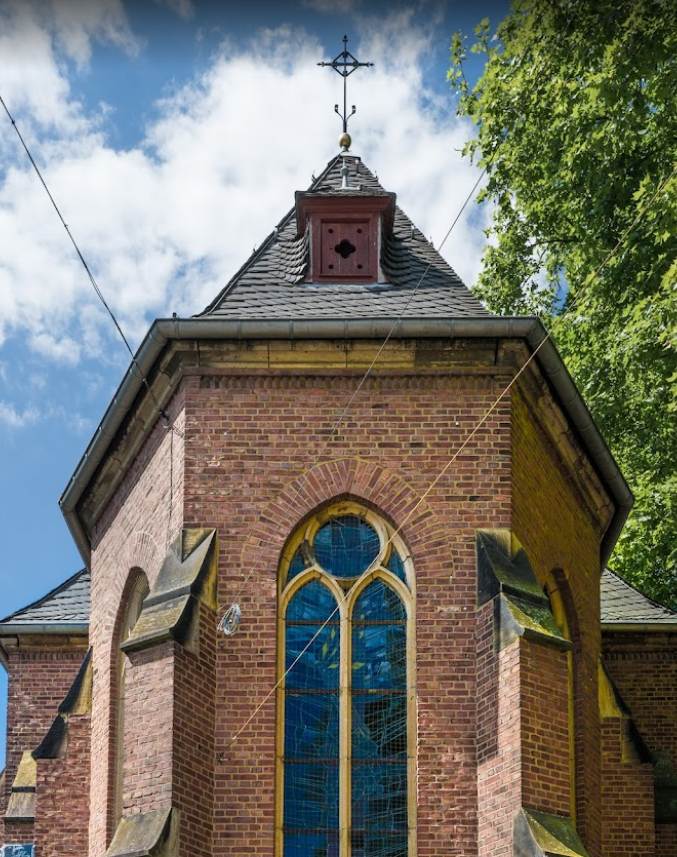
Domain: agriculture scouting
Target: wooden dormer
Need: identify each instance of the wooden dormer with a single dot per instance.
(346, 234)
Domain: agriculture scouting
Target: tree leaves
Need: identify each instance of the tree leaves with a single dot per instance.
(577, 127)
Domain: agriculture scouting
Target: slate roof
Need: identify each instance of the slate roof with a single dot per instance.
(622, 604)
(68, 604)
(270, 285)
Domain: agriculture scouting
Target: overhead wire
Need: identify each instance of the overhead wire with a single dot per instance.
(371, 571)
(95, 286)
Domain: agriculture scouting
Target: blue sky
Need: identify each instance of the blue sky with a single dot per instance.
(173, 135)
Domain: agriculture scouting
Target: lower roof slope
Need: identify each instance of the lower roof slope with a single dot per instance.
(622, 604)
(66, 607)
(419, 282)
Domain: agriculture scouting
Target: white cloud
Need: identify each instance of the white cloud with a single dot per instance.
(164, 224)
(14, 419)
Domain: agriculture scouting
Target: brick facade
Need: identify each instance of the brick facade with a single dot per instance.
(41, 672)
(552, 521)
(62, 788)
(643, 666)
(499, 727)
(395, 442)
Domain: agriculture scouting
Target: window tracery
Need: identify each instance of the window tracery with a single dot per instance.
(346, 706)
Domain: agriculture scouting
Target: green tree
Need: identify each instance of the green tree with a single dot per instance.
(576, 125)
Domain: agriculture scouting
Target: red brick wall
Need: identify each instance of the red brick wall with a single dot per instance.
(544, 700)
(193, 739)
(134, 531)
(62, 811)
(149, 724)
(627, 797)
(549, 518)
(38, 681)
(251, 448)
(499, 775)
(644, 669)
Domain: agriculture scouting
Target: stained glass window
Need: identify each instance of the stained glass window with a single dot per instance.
(379, 723)
(346, 546)
(315, 770)
(311, 737)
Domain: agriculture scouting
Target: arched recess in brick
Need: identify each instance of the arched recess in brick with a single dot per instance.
(345, 478)
(564, 612)
(134, 591)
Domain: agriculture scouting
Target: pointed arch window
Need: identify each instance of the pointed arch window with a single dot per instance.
(346, 705)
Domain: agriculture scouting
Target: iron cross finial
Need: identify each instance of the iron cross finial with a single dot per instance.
(345, 64)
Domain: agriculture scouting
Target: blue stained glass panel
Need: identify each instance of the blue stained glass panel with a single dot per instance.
(346, 546)
(322, 844)
(379, 727)
(379, 797)
(310, 796)
(379, 657)
(312, 657)
(379, 603)
(311, 726)
(312, 603)
(396, 565)
(297, 565)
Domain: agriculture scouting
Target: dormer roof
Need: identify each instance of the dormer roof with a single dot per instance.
(273, 282)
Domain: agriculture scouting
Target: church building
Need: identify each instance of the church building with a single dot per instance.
(344, 535)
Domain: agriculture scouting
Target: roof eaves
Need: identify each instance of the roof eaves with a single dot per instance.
(163, 331)
(15, 629)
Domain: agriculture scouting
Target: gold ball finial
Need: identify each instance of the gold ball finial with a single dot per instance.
(345, 141)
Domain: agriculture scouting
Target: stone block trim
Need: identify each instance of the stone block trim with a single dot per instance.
(147, 834)
(169, 611)
(522, 608)
(21, 803)
(541, 834)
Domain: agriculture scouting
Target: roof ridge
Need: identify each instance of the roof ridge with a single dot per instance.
(51, 594)
(639, 592)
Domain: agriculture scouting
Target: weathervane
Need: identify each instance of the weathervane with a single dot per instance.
(345, 64)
